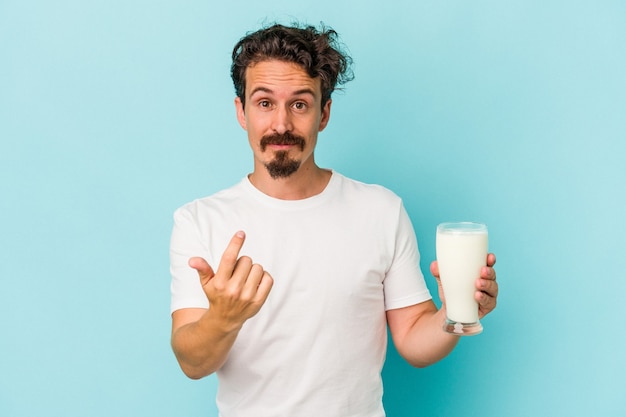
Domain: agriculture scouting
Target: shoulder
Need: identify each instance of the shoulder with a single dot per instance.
(217, 201)
(371, 192)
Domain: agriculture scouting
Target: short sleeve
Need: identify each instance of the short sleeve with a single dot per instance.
(404, 283)
(185, 243)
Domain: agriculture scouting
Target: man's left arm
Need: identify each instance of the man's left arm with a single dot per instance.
(417, 330)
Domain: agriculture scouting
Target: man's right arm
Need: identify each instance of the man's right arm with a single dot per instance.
(202, 338)
(201, 344)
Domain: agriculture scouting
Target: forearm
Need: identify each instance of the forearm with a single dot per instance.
(423, 342)
(201, 347)
(428, 342)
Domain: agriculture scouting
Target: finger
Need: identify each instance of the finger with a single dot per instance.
(253, 279)
(261, 292)
(264, 287)
(489, 287)
(241, 272)
(230, 255)
(434, 269)
(486, 303)
(205, 272)
(487, 272)
(491, 259)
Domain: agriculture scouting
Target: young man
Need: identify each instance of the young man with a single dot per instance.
(294, 321)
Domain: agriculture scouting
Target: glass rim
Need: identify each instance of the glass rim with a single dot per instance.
(462, 227)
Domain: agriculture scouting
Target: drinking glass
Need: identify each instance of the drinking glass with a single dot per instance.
(461, 253)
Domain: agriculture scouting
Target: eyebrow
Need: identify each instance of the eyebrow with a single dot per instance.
(270, 91)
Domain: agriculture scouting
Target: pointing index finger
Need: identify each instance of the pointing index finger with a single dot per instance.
(231, 254)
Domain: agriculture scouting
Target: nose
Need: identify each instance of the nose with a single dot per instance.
(282, 122)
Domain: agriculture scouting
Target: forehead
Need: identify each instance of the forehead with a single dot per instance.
(280, 77)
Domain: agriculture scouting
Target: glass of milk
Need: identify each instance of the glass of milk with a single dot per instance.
(461, 253)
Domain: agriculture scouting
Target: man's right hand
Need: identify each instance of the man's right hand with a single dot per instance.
(238, 289)
(202, 339)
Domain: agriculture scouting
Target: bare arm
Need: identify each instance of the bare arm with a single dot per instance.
(202, 339)
(417, 330)
(418, 335)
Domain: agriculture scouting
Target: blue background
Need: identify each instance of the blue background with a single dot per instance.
(114, 113)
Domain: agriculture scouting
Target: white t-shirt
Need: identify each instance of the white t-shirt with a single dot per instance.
(339, 260)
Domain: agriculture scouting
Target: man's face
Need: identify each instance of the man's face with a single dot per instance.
(282, 116)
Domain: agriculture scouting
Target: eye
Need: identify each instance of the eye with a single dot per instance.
(300, 105)
(265, 104)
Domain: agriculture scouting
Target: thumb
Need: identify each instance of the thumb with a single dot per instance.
(205, 272)
(434, 269)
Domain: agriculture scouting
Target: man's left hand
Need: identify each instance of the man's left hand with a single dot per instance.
(486, 286)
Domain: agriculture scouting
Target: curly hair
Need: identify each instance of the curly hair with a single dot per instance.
(317, 51)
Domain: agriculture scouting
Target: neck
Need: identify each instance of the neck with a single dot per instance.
(304, 183)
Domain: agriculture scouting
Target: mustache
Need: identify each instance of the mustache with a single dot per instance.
(286, 138)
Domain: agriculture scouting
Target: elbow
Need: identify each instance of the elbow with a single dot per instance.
(193, 372)
(421, 359)
(419, 364)
(191, 367)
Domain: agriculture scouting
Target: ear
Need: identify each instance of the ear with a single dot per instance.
(241, 117)
(325, 115)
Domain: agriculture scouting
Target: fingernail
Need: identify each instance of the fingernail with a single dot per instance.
(241, 234)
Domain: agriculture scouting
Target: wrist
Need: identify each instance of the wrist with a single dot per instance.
(217, 322)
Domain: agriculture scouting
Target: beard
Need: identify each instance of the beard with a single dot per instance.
(282, 166)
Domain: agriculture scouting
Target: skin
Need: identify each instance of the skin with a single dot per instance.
(417, 330)
(282, 97)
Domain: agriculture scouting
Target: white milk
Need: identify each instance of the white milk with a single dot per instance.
(461, 254)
